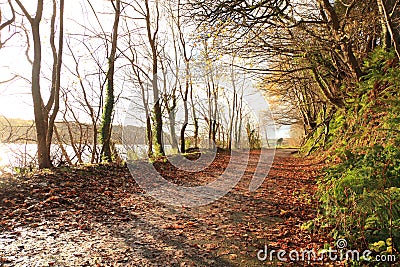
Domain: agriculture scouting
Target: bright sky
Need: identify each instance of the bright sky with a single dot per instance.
(15, 97)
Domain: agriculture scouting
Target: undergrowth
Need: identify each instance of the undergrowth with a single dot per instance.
(360, 194)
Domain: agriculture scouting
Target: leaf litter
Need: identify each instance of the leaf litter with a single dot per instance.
(99, 216)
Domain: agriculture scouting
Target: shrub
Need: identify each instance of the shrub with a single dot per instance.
(360, 196)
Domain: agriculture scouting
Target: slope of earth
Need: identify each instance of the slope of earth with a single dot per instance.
(99, 216)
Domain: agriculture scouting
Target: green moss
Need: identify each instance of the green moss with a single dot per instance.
(360, 196)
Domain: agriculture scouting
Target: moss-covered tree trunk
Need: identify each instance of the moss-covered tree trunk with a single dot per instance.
(106, 124)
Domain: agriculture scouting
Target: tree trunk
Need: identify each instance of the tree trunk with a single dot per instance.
(170, 108)
(238, 121)
(394, 35)
(214, 119)
(159, 148)
(149, 134)
(171, 117)
(38, 106)
(195, 119)
(233, 113)
(54, 100)
(185, 123)
(185, 104)
(346, 47)
(385, 35)
(41, 122)
(152, 37)
(110, 98)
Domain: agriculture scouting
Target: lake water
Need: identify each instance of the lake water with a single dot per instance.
(17, 155)
(22, 155)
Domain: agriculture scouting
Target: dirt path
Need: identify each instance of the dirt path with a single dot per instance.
(98, 216)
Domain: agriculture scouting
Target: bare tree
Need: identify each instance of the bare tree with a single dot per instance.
(146, 20)
(109, 102)
(7, 22)
(182, 48)
(152, 35)
(134, 52)
(170, 96)
(88, 97)
(194, 115)
(45, 114)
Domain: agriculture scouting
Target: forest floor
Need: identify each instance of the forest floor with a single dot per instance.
(99, 216)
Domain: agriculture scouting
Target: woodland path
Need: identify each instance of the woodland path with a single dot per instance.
(98, 216)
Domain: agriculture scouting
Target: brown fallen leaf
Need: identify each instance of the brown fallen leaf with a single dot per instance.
(233, 256)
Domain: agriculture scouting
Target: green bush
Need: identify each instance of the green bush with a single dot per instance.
(360, 196)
